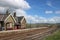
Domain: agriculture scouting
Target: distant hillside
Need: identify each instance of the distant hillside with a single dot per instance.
(41, 25)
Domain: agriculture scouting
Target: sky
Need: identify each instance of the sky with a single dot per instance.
(35, 11)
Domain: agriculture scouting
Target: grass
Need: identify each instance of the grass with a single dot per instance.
(55, 36)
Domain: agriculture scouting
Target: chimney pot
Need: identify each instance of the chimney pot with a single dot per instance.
(7, 12)
(14, 14)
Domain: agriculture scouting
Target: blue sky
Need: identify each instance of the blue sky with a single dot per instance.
(35, 11)
(39, 7)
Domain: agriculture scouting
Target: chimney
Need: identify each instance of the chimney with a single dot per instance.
(7, 12)
(14, 14)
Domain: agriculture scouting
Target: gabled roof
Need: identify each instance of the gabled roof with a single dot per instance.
(11, 16)
(3, 17)
(20, 18)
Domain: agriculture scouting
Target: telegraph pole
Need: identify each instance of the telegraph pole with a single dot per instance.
(30, 24)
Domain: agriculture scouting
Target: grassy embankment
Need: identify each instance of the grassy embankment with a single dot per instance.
(55, 36)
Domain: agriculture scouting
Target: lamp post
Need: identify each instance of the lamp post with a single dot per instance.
(30, 23)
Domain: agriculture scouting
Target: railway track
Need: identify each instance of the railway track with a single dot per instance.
(28, 35)
(39, 35)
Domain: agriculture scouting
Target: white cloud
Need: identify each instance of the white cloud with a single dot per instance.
(2, 10)
(12, 5)
(51, 20)
(54, 20)
(57, 12)
(21, 5)
(29, 18)
(36, 18)
(48, 12)
(33, 19)
(44, 20)
(49, 3)
(18, 4)
(20, 12)
(57, 19)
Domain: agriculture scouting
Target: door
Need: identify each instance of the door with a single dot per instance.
(1, 25)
